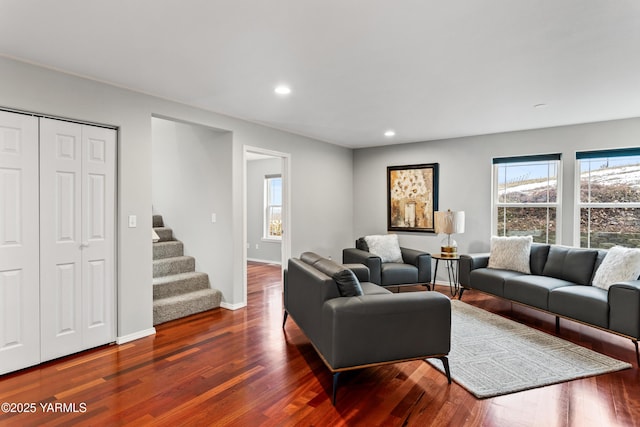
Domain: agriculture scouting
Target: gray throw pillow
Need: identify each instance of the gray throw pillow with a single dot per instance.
(348, 283)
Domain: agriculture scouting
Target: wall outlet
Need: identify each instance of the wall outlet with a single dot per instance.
(133, 221)
(257, 246)
(214, 217)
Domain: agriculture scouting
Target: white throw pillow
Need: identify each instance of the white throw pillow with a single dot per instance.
(385, 246)
(511, 253)
(619, 265)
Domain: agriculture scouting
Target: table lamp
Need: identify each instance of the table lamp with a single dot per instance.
(449, 223)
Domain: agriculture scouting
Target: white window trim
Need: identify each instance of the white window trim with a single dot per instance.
(265, 215)
(496, 204)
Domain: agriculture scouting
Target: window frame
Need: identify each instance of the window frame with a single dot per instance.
(267, 207)
(496, 204)
(578, 205)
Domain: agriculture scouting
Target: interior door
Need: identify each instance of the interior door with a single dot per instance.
(77, 237)
(60, 237)
(19, 277)
(98, 235)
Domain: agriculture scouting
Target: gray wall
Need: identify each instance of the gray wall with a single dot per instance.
(321, 176)
(465, 176)
(269, 251)
(191, 180)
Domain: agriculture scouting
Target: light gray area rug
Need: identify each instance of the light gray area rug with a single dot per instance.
(491, 355)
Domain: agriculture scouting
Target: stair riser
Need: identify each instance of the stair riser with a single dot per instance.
(177, 309)
(165, 234)
(169, 266)
(177, 287)
(168, 250)
(157, 221)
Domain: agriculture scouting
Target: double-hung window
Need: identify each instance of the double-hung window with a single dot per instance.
(526, 197)
(272, 207)
(608, 198)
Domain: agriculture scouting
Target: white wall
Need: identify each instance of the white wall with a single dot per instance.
(191, 180)
(465, 176)
(321, 175)
(269, 251)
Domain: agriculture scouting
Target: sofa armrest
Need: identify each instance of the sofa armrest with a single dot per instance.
(358, 256)
(420, 259)
(624, 308)
(468, 263)
(360, 270)
(369, 329)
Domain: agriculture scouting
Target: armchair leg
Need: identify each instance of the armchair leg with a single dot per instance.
(557, 325)
(635, 342)
(335, 387)
(445, 362)
(284, 320)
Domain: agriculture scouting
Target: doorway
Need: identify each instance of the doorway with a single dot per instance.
(267, 213)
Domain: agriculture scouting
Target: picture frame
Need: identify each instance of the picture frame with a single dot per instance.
(412, 197)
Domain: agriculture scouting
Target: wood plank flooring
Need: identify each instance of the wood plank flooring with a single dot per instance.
(239, 368)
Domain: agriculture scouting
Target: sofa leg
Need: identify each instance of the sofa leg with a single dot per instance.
(461, 292)
(445, 362)
(557, 325)
(335, 387)
(635, 342)
(284, 320)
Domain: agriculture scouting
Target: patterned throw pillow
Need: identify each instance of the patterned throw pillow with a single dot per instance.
(619, 265)
(511, 253)
(385, 246)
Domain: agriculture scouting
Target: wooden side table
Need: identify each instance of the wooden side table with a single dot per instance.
(454, 284)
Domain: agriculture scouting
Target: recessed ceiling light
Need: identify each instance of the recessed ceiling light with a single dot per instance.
(538, 106)
(390, 133)
(283, 90)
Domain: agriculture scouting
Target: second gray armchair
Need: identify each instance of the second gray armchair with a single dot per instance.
(414, 268)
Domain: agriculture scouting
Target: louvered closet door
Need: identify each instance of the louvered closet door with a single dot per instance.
(77, 175)
(19, 279)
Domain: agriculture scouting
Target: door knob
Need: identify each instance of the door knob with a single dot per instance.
(84, 245)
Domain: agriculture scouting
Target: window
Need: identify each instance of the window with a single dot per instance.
(609, 198)
(273, 207)
(526, 197)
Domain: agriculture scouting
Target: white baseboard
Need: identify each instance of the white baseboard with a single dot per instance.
(233, 306)
(264, 261)
(135, 336)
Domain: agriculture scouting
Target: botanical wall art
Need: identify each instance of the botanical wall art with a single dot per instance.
(412, 197)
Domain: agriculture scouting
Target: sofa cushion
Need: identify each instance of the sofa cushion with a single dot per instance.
(538, 257)
(310, 257)
(584, 303)
(398, 274)
(511, 253)
(369, 288)
(385, 246)
(490, 280)
(532, 290)
(619, 265)
(348, 283)
(571, 264)
(362, 244)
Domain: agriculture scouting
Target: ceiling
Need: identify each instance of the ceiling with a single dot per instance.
(427, 69)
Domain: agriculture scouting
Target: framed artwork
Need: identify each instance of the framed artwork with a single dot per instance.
(412, 197)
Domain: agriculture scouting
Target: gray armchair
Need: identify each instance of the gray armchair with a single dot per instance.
(415, 269)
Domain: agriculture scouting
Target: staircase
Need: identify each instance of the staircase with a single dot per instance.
(178, 290)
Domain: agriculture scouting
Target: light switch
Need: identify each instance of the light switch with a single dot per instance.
(133, 221)
(213, 217)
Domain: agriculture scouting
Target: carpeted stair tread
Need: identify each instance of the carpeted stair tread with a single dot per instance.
(165, 233)
(175, 307)
(176, 284)
(157, 221)
(168, 249)
(174, 265)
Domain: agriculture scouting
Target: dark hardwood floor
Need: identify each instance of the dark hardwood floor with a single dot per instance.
(239, 368)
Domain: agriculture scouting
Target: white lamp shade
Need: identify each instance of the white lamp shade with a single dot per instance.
(449, 222)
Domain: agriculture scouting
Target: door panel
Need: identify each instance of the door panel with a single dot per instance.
(98, 254)
(19, 276)
(60, 238)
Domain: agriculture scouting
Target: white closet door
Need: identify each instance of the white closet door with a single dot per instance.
(19, 279)
(60, 238)
(98, 235)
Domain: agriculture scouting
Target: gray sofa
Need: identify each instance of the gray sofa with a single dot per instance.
(353, 323)
(560, 283)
